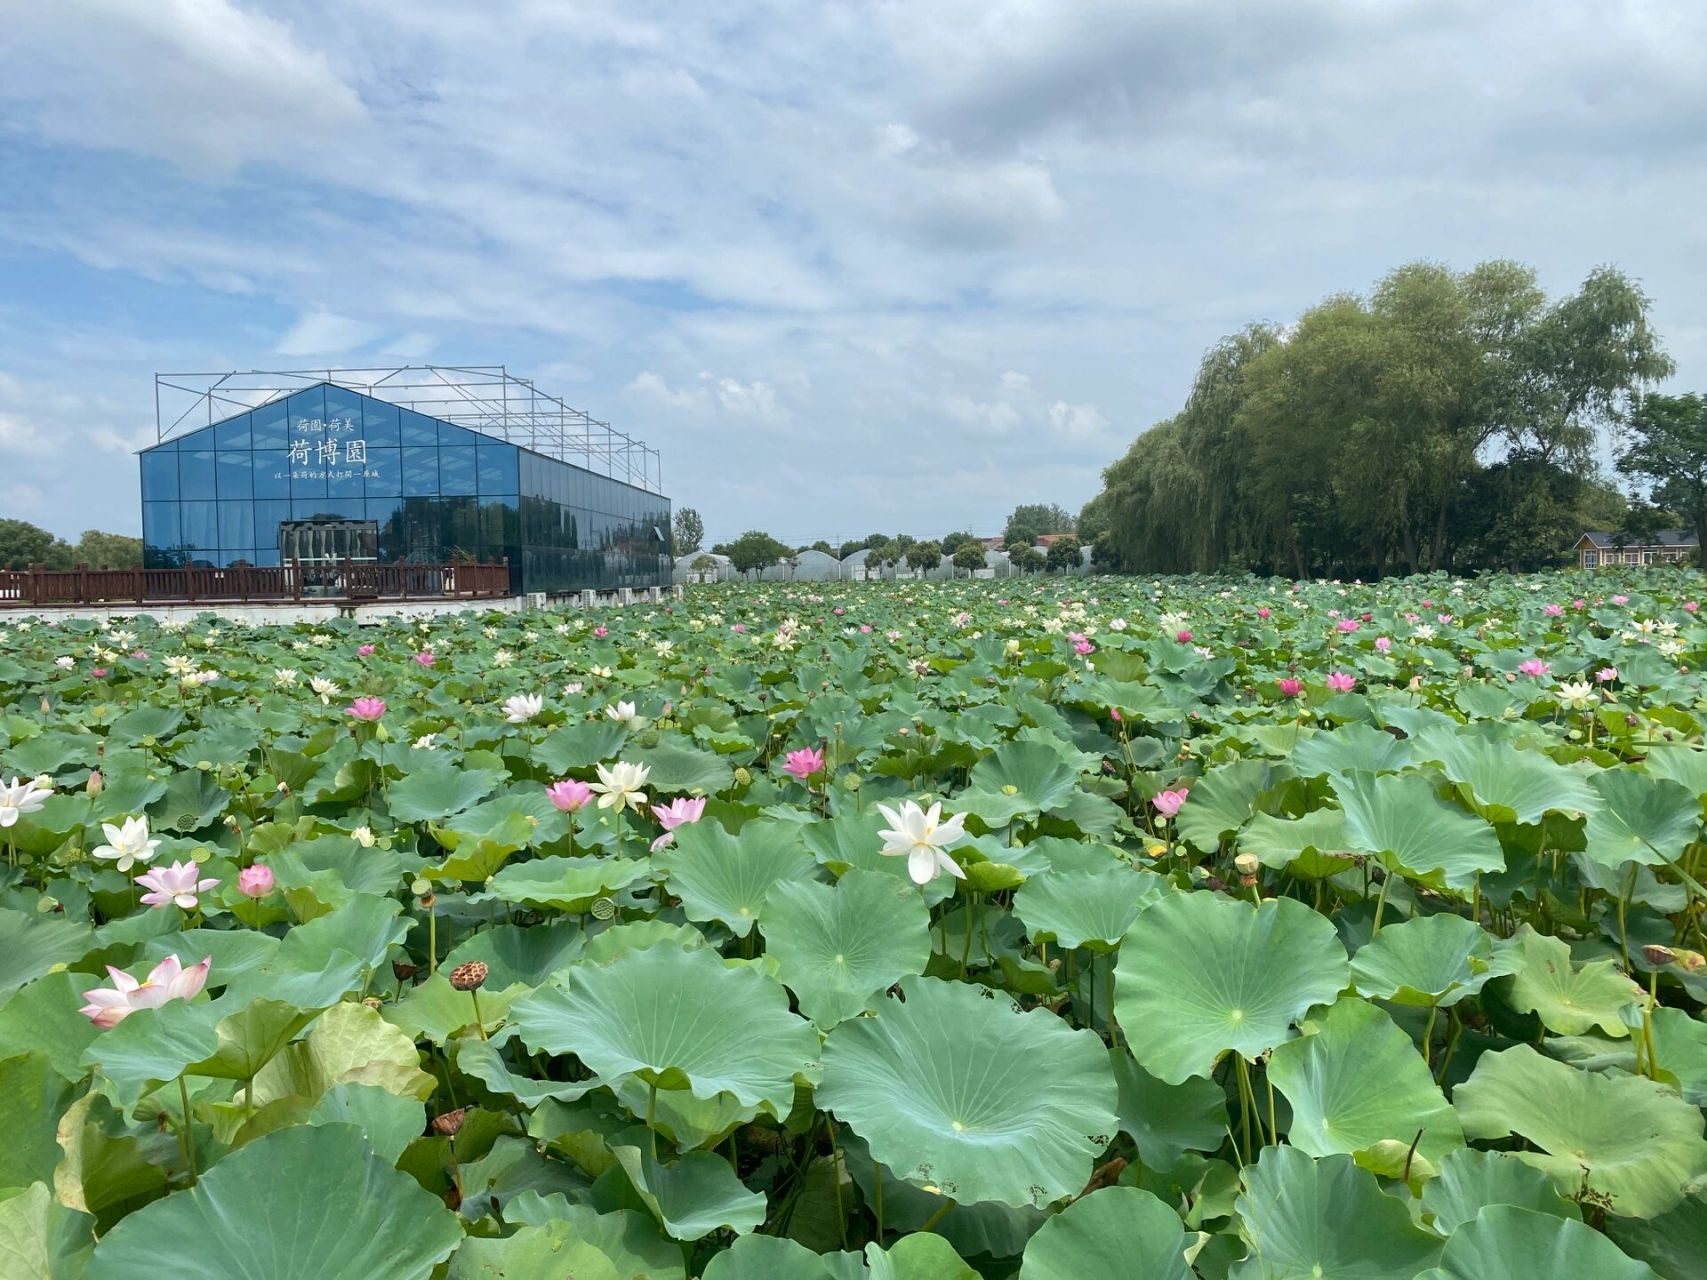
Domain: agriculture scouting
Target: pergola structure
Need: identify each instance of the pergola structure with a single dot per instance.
(484, 398)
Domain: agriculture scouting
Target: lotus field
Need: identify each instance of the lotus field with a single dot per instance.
(1059, 929)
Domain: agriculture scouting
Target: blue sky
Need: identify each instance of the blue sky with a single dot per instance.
(850, 266)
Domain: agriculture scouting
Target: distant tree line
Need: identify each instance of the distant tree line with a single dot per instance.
(1444, 421)
(23, 545)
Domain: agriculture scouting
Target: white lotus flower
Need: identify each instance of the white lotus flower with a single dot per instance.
(127, 845)
(921, 837)
(179, 665)
(426, 742)
(523, 707)
(621, 784)
(284, 677)
(327, 689)
(1577, 695)
(17, 799)
(622, 713)
(65, 663)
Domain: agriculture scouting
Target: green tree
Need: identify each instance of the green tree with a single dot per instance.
(755, 550)
(689, 531)
(1668, 450)
(1027, 559)
(922, 557)
(822, 545)
(23, 544)
(1031, 520)
(100, 550)
(1064, 553)
(969, 556)
(848, 548)
(952, 542)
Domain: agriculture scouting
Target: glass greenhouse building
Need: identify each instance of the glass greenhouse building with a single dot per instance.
(327, 472)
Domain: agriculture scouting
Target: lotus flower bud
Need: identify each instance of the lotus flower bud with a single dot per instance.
(470, 976)
(1659, 957)
(255, 881)
(94, 784)
(373, 1002)
(402, 970)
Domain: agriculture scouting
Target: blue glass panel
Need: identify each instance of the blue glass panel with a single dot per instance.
(204, 557)
(344, 412)
(159, 476)
(272, 474)
(384, 469)
(498, 469)
(451, 434)
(268, 427)
(234, 474)
(237, 524)
(500, 521)
(267, 557)
(160, 525)
(345, 480)
(420, 471)
(456, 471)
(229, 556)
(268, 517)
(307, 408)
(200, 524)
(235, 434)
(380, 426)
(419, 429)
(202, 439)
(195, 473)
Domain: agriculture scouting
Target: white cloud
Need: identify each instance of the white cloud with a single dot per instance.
(321, 333)
(1077, 419)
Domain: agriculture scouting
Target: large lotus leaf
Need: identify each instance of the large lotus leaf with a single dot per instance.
(1505, 1242)
(1641, 818)
(1469, 1180)
(1431, 960)
(1164, 1120)
(626, 1236)
(349, 1043)
(1200, 975)
(1117, 1231)
(580, 746)
(1086, 908)
(1325, 1218)
(920, 1256)
(31, 945)
(688, 1122)
(676, 768)
(33, 1095)
(41, 1239)
(1510, 785)
(1039, 779)
(1680, 1052)
(150, 1048)
(306, 1203)
(390, 1123)
(1222, 801)
(1633, 1141)
(693, 1197)
(104, 1174)
(43, 1017)
(564, 884)
(483, 1060)
(837, 948)
(512, 1167)
(955, 1088)
(1684, 765)
(1673, 1244)
(1359, 1081)
(249, 1037)
(726, 877)
(434, 1010)
(677, 1019)
(1568, 1000)
(438, 791)
(552, 1249)
(366, 927)
(515, 953)
(1399, 817)
(1306, 847)
(1350, 747)
(851, 840)
(192, 799)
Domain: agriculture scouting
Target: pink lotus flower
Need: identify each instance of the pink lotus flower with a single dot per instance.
(1620, 599)
(255, 881)
(99, 673)
(366, 709)
(1579, 603)
(1114, 714)
(678, 813)
(1168, 802)
(600, 631)
(1444, 619)
(569, 796)
(1534, 667)
(1347, 625)
(168, 980)
(1691, 606)
(1184, 637)
(1606, 675)
(838, 611)
(426, 657)
(1383, 644)
(865, 628)
(364, 651)
(176, 883)
(1554, 610)
(804, 763)
(1340, 682)
(740, 628)
(139, 655)
(1289, 687)
(1265, 612)
(1084, 647)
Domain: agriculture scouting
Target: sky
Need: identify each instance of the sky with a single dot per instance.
(851, 267)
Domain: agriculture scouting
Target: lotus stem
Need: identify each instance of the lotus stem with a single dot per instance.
(187, 1133)
(478, 1020)
(877, 1173)
(939, 1215)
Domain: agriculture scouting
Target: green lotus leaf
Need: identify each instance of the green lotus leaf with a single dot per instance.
(307, 1203)
(1682, 764)
(565, 884)
(434, 1010)
(1348, 748)
(1431, 960)
(921, 1256)
(43, 1017)
(851, 840)
(580, 746)
(1033, 769)
(32, 945)
(35, 1095)
(1505, 1242)
(514, 953)
(1510, 785)
(1222, 801)
(954, 1087)
(348, 1043)
(512, 1167)
(1630, 1140)
(693, 1197)
(150, 1048)
(1326, 1218)
(1086, 908)
(677, 1019)
(838, 948)
(439, 790)
(1359, 1081)
(1164, 1120)
(484, 1061)
(1399, 817)
(389, 1123)
(1469, 1180)
(1568, 1000)
(1200, 975)
(476, 854)
(638, 935)
(41, 1239)
(677, 769)
(628, 1237)
(1112, 1232)
(1673, 1244)
(103, 1174)
(1641, 818)
(1304, 846)
(1680, 1052)
(688, 1122)
(726, 877)
(551, 1249)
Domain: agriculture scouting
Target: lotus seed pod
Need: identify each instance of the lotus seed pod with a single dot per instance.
(1659, 957)
(469, 976)
(450, 1123)
(1247, 864)
(402, 970)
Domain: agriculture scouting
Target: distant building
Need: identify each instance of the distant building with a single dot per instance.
(1596, 550)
